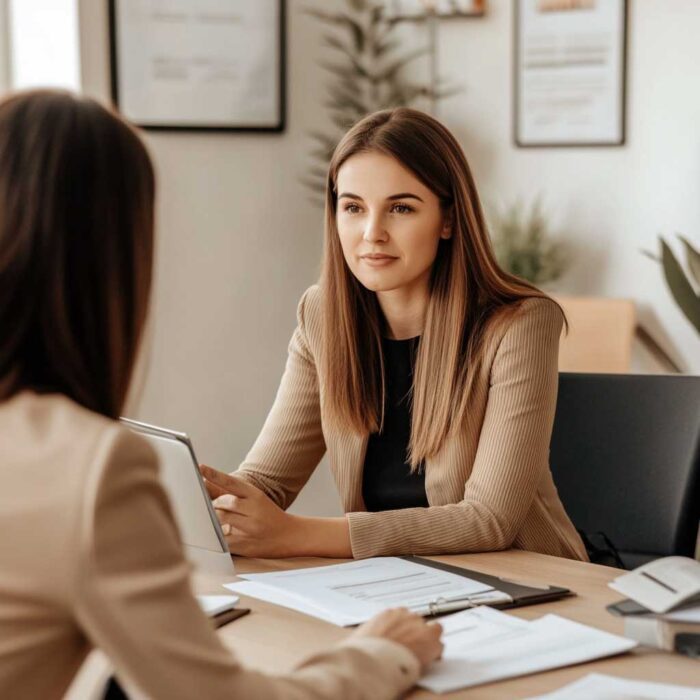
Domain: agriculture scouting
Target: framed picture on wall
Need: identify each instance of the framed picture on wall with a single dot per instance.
(205, 65)
(569, 72)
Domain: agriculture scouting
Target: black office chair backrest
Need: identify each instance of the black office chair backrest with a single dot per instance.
(625, 456)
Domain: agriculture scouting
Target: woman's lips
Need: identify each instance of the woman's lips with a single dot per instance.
(378, 260)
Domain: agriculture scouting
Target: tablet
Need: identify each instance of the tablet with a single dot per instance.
(200, 531)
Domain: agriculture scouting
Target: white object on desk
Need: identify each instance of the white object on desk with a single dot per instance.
(351, 593)
(662, 584)
(484, 645)
(604, 687)
(216, 604)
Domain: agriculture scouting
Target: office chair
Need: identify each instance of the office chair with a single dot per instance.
(625, 456)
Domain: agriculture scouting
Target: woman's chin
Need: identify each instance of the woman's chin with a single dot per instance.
(379, 284)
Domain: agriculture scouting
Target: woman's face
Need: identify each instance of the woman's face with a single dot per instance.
(389, 223)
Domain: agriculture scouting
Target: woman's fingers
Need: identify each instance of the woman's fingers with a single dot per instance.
(227, 483)
(230, 521)
(233, 504)
(213, 490)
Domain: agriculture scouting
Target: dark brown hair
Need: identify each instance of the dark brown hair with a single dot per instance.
(76, 248)
(467, 289)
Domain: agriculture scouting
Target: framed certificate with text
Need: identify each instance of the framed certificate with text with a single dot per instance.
(205, 65)
(569, 82)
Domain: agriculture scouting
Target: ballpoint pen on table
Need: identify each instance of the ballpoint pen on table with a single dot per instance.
(443, 605)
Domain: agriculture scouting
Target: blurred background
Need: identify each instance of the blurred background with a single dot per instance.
(240, 226)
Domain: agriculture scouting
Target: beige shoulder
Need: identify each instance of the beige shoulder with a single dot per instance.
(528, 317)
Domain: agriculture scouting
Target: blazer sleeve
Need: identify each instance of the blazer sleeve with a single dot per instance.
(511, 458)
(133, 600)
(291, 443)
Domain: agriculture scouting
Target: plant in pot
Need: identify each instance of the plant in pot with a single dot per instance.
(524, 245)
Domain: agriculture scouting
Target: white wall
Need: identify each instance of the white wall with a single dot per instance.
(609, 202)
(239, 241)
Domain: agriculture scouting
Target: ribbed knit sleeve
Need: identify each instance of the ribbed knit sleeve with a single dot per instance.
(511, 458)
(290, 444)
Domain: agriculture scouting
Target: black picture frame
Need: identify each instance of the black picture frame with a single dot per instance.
(622, 122)
(278, 127)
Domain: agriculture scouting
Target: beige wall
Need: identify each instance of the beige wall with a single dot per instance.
(239, 241)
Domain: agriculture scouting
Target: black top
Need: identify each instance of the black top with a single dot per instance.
(387, 481)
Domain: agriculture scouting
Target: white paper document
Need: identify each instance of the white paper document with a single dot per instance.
(603, 687)
(215, 604)
(689, 614)
(662, 584)
(349, 594)
(484, 645)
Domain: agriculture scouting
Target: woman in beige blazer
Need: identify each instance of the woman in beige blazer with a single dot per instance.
(427, 373)
(89, 550)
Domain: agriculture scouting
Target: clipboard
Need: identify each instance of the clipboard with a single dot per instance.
(520, 594)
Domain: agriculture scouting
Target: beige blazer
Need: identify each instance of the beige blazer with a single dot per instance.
(489, 488)
(90, 557)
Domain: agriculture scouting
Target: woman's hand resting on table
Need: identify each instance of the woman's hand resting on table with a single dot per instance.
(408, 629)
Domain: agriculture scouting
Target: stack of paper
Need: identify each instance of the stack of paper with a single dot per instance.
(484, 645)
(349, 594)
(602, 687)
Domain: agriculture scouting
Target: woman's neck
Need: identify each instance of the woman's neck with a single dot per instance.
(404, 310)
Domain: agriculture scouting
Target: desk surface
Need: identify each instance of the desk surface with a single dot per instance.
(274, 639)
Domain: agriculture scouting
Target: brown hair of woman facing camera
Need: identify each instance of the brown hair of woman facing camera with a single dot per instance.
(76, 248)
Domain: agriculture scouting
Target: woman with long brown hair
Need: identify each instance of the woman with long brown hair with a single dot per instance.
(89, 550)
(427, 373)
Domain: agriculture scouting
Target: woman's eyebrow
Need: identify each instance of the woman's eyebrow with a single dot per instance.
(400, 195)
(405, 195)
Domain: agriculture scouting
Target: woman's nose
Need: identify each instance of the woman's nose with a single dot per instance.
(375, 231)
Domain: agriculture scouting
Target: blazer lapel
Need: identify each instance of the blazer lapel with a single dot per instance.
(348, 467)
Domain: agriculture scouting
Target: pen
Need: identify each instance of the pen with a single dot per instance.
(436, 607)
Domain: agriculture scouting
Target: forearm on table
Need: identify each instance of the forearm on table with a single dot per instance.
(458, 527)
(321, 537)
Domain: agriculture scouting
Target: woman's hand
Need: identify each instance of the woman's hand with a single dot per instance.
(254, 526)
(408, 629)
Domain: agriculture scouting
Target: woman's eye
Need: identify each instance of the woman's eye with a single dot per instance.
(401, 209)
(352, 208)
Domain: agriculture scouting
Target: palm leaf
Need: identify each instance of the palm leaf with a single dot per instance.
(682, 292)
(692, 257)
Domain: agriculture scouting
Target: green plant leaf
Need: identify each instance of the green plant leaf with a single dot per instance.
(393, 68)
(355, 70)
(692, 256)
(681, 289)
(381, 47)
(358, 5)
(650, 255)
(342, 20)
(334, 42)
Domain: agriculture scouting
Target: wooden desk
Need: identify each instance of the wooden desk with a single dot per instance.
(275, 639)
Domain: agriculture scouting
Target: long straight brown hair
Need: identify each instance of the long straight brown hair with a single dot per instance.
(76, 248)
(467, 288)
